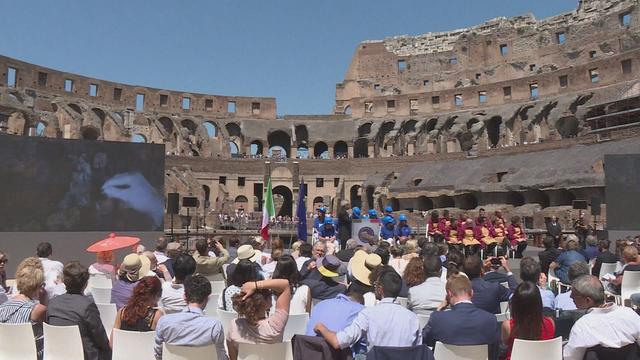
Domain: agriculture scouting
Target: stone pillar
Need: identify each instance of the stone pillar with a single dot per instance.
(371, 151)
(350, 151)
(294, 152)
(410, 149)
(330, 151)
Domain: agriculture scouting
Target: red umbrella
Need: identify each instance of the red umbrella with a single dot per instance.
(113, 242)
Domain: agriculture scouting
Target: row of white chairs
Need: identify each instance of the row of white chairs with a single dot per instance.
(522, 350)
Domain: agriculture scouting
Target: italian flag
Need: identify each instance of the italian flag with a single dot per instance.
(268, 211)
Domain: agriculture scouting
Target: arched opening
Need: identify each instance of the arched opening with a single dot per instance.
(340, 149)
(449, 123)
(303, 152)
(241, 202)
(364, 130)
(347, 110)
(100, 115)
(318, 202)
(417, 181)
(560, 197)
(567, 127)
(207, 196)
(233, 148)
(465, 201)
(395, 204)
(536, 197)
(321, 150)
(302, 135)
(167, 124)
(138, 138)
(277, 152)
(493, 130)
(431, 125)
(424, 203)
(384, 130)
(515, 199)
(409, 126)
(361, 148)
(189, 125)
(233, 130)
(355, 198)
(370, 191)
(466, 141)
(472, 122)
(283, 201)
(41, 127)
(256, 147)
(443, 201)
(281, 139)
(212, 129)
(90, 133)
(76, 108)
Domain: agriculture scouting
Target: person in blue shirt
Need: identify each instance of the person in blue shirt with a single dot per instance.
(388, 228)
(327, 231)
(355, 213)
(372, 214)
(319, 221)
(403, 230)
(388, 211)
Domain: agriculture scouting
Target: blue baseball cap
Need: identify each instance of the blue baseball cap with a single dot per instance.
(373, 212)
(355, 210)
(388, 219)
(388, 209)
(328, 220)
(402, 217)
(322, 209)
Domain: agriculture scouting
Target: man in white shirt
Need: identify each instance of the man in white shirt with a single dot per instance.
(605, 324)
(161, 250)
(427, 297)
(52, 270)
(172, 299)
(564, 300)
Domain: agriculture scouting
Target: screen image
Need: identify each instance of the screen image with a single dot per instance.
(80, 185)
(622, 191)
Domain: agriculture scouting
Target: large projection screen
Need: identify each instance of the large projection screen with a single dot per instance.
(57, 185)
(622, 190)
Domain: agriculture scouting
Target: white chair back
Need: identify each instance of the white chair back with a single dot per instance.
(100, 281)
(17, 342)
(630, 284)
(606, 268)
(423, 319)
(503, 317)
(108, 313)
(224, 270)
(133, 345)
(536, 350)
(177, 352)
(217, 287)
(101, 295)
(62, 342)
(370, 299)
(212, 306)
(454, 352)
(505, 284)
(402, 301)
(296, 324)
(226, 317)
(504, 306)
(280, 351)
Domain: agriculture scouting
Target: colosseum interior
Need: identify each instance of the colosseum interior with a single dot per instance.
(512, 114)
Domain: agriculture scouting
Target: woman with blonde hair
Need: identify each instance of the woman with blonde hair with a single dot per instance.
(30, 304)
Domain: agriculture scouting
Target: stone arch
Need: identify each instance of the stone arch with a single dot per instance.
(167, 124)
(424, 203)
(321, 150)
(89, 133)
(568, 127)
(443, 201)
(535, 196)
(355, 197)
(281, 139)
(466, 201)
(286, 209)
(370, 191)
(234, 150)
(256, 147)
(515, 198)
(361, 148)
(472, 122)
(241, 202)
(347, 110)
(76, 108)
(189, 125)
(395, 204)
(409, 126)
(207, 195)
(233, 129)
(493, 131)
(138, 138)
(99, 113)
(364, 129)
(560, 197)
(241, 199)
(431, 125)
(211, 128)
(302, 135)
(340, 149)
(317, 200)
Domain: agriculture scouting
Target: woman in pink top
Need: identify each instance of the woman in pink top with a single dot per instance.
(252, 303)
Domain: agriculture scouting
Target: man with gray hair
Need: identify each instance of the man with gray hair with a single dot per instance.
(564, 300)
(349, 250)
(605, 325)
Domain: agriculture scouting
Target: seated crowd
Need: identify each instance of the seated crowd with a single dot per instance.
(360, 299)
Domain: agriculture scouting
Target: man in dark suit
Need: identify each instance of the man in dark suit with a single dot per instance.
(465, 324)
(73, 308)
(492, 265)
(605, 256)
(486, 295)
(548, 255)
(554, 229)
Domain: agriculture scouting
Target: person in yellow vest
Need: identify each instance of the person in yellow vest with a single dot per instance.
(485, 234)
(517, 237)
(466, 236)
(500, 230)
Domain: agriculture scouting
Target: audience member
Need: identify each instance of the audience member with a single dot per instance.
(252, 303)
(30, 304)
(411, 250)
(630, 257)
(73, 308)
(161, 250)
(160, 271)
(564, 300)
(246, 252)
(191, 327)
(52, 270)
(530, 271)
(206, 265)
(337, 313)
(564, 260)
(103, 265)
(486, 295)
(172, 299)
(361, 267)
(397, 262)
(245, 271)
(604, 257)
(554, 229)
(414, 273)
(527, 321)
(426, 297)
(492, 274)
(4, 259)
(141, 312)
(269, 267)
(286, 268)
(549, 254)
(604, 325)
(373, 323)
(321, 279)
(347, 253)
(591, 250)
(305, 255)
(454, 264)
(128, 276)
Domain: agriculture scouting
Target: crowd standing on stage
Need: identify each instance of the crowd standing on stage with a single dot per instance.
(451, 284)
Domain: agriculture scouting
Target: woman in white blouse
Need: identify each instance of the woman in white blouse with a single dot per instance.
(286, 268)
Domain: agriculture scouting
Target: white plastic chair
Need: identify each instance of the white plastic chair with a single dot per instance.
(17, 342)
(606, 268)
(212, 306)
(423, 319)
(224, 270)
(505, 284)
(226, 317)
(536, 350)
(62, 342)
(280, 351)
(101, 295)
(177, 352)
(100, 281)
(296, 324)
(454, 352)
(217, 287)
(503, 317)
(630, 285)
(108, 313)
(133, 345)
(402, 301)
(369, 299)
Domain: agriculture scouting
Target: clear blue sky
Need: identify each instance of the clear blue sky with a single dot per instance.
(294, 50)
